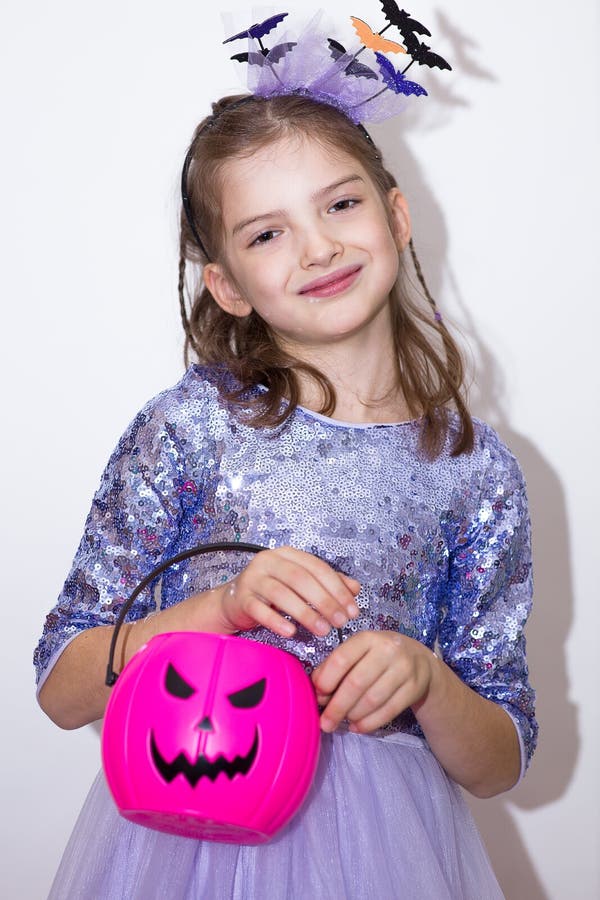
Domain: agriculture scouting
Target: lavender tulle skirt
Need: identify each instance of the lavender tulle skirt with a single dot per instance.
(382, 820)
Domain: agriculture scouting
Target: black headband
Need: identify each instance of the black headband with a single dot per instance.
(185, 199)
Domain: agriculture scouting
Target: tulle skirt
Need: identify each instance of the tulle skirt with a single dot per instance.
(382, 820)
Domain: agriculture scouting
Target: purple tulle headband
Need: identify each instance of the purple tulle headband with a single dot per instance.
(315, 65)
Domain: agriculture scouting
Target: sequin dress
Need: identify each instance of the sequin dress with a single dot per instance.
(442, 550)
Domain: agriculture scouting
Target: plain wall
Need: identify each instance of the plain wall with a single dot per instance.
(499, 165)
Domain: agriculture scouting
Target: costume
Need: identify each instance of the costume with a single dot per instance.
(442, 551)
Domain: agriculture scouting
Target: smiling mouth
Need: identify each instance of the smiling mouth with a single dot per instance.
(335, 286)
(194, 771)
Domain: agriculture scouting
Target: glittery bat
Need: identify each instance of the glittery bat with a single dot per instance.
(422, 55)
(353, 67)
(402, 19)
(374, 41)
(396, 81)
(259, 59)
(258, 30)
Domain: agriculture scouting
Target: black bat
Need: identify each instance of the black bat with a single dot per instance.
(353, 67)
(258, 30)
(256, 59)
(402, 19)
(422, 54)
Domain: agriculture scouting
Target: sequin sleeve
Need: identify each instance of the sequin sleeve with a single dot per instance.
(132, 521)
(490, 592)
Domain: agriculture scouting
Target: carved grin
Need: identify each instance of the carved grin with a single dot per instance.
(193, 772)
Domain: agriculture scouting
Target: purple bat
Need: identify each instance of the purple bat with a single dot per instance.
(260, 59)
(396, 80)
(258, 30)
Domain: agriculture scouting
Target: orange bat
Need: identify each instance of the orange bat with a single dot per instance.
(374, 41)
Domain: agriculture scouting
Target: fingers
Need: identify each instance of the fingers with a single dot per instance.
(289, 582)
(370, 679)
(269, 594)
(377, 718)
(261, 613)
(352, 583)
(379, 701)
(342, 589)
(343, 680)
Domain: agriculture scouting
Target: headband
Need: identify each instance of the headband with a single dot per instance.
(320, 67)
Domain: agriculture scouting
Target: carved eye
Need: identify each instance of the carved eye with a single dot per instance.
(250, 696)
(176, 685)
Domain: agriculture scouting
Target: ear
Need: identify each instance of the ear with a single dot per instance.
(400, 217)
(224, 290)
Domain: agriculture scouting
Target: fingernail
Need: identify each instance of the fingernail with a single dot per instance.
(322, 626)
(327, 724)
(353, 609)
(339, 619)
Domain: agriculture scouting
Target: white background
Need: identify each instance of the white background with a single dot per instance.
(500, 167)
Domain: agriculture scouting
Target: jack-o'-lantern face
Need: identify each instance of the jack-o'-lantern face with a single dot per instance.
(211, 736)
(246, 698)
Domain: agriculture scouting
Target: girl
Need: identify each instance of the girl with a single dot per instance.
(325, 420)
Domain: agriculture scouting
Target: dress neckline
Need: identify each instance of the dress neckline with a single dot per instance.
(339, 423)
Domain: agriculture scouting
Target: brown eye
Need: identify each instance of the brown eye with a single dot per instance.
(265, 237)
(176, 685)
(249, 696)
(341, 206)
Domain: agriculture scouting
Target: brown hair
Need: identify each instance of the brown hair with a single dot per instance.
(430, 367)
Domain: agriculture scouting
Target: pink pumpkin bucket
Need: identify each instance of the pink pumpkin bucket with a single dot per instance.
(209, 736)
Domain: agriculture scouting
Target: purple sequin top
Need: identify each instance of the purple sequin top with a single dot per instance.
(441, 548)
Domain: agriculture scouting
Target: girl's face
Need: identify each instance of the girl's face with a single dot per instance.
(307, 243)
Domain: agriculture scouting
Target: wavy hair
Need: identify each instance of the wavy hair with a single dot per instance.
(430, 368)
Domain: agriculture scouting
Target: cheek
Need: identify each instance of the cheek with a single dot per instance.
(389, 257)
(262, 281)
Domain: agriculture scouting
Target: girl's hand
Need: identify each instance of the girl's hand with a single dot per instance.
(371, 678)
(292, 582)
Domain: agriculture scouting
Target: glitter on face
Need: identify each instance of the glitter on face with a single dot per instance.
(441, 548)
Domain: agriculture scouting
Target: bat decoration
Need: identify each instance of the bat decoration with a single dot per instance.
(258, 30)
(255, 59)
(396, 81)
(374, 41)
(422, 54)
(259, 59)
(402, 19)
(389, 76)
(353, 67)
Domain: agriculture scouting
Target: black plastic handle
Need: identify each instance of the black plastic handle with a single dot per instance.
(111, 675)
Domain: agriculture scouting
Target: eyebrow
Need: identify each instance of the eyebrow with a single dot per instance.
(318, 195)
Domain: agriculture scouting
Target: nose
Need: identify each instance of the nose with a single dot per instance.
(205, 725)
(319, 247)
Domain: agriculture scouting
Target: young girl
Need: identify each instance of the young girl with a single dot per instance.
(325, 421)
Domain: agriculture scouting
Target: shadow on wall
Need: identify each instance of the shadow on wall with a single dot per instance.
(554, 761)
(547, 632)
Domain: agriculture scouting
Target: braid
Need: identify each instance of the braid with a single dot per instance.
(453, 374)
(436, 313)
(189, 339)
